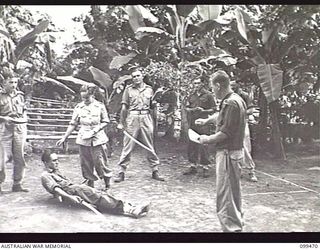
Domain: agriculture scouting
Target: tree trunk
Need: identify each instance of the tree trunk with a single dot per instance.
(279, 152)
(263, 122)
(184, 123)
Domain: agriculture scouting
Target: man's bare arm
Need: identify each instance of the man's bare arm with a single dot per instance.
(123, 114)
(213, 139)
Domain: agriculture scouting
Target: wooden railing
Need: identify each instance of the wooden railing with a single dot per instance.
(48, 119)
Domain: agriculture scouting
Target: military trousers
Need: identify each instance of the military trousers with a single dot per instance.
(248, 162)
(138, 124)
(104, 202)
(228, 201)
(12, 139)
(94, 158)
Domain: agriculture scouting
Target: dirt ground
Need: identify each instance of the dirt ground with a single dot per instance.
(180, 204)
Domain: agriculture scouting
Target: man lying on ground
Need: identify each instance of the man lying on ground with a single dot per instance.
(63, 188)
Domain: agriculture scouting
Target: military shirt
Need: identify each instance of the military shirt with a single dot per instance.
(51, 180)
(138, 99)
(205, 101)
(231, 121)
(12, 105)
(90, 117)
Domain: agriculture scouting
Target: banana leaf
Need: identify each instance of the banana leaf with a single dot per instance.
(121, 80)
(173, 23)
(209, 12)
(153, 47)
(185, 10)
(75, 80)
(119, 61)
(137, 14)
(45, 79)
(241, 24)
(29, 39)
(101, 77)
(145, 31)
(270, 80)
(7, 44)
(22, 64)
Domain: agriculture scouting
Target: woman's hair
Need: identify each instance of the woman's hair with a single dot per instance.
(91, 89)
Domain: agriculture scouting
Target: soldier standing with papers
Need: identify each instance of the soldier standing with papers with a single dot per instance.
(228, 141)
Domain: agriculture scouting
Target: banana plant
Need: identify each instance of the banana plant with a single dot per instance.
(271, 45)
(29, 39)
(180, 17)
(7, 46)
(14, 52)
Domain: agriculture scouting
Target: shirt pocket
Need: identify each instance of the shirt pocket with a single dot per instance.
(237, 158)
(95, 116)
(84, 117)
(236, 155)
(18, 104)
(147, 98)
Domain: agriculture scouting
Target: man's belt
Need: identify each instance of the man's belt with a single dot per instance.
(139, 112)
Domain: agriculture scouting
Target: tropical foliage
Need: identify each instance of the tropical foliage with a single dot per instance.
(258, 45)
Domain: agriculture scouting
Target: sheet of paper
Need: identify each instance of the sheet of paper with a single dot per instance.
(193, 136)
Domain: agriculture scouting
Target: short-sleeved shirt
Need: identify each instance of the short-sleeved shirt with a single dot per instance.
(137, 99)
(50, 180)
(245, 96)
(231, 121)
(89, 117)
(12, 105)
(205, 101)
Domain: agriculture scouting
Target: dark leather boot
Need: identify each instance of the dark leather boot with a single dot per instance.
(119, 178)
(156, 176)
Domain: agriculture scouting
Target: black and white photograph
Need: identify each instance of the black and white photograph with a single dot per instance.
(159, 119)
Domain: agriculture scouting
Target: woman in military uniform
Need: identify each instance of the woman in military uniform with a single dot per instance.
(92, 117)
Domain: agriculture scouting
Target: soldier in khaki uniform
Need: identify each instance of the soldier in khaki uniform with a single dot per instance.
(136, 119)
(92, 117)
(12, 134)
(56, 183)
(228, 140)
(200, 104)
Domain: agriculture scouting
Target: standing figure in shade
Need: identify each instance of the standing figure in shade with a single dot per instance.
(135, 118)
(248, 162)
(200, 104)
(92, 117)
(228, 141)
(12, 134)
